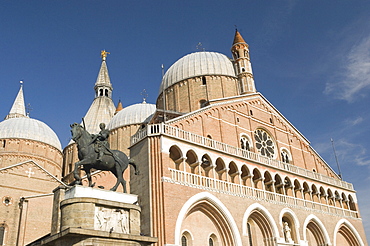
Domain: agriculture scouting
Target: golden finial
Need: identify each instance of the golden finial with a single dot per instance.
(104, 55)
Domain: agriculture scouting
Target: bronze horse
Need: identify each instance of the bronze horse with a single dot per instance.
(117, 163)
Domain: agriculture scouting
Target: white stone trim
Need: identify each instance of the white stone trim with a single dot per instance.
(319, 223)
(351, 227)
(218, 204)
(295, 218)
(259, 207)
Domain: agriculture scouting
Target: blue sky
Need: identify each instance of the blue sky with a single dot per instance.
(311, 59)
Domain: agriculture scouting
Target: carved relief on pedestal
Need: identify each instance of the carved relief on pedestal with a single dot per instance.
(112, 220)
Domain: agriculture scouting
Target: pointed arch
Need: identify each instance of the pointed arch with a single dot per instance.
(317, 229)
(261, 217)
(348, 232)
(213, 207)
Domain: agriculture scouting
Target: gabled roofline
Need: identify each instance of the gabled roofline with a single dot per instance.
(37, 165)
(241, 98)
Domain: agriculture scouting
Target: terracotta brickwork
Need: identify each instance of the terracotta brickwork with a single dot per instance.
(30, 218)
(200, 192)
(14, 151)
(186, 96)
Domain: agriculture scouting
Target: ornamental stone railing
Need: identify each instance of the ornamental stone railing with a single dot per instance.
(219, 186)
(163, 129)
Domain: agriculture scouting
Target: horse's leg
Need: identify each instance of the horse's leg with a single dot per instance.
(76, 175)
(121, 167)
(88, 174)
(114, 171)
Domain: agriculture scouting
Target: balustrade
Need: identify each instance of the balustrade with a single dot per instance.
(206, 183)
(175, 132)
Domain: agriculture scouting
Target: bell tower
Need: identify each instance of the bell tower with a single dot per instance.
(242, 64)
(103, 86)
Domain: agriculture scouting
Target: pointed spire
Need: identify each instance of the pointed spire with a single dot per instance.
(238, 37)
(103, 86)
(119, 107)
(242, 64)
(102, 108)
(18, 109)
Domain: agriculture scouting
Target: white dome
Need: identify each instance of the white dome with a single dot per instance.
(28, 128)
(197, 64)
(134, 114)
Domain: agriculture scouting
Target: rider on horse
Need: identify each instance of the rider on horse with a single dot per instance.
(100, 141)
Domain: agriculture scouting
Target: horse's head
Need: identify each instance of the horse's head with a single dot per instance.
(76, 130)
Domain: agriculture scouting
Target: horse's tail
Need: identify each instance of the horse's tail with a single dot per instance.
(132, 163)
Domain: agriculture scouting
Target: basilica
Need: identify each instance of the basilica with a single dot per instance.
(219, 164)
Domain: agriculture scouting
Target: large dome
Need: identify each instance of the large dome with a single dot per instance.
(134, 114)
(28, 128)
(197, 64)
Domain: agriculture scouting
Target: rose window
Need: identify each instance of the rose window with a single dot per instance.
(264, 143)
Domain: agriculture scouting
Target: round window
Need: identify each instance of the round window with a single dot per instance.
(264, 143)
(7, 200)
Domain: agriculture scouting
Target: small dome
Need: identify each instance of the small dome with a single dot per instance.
(197, 64)
(134, 114)
(28, 128)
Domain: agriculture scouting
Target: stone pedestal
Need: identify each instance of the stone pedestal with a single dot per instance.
(88, 216)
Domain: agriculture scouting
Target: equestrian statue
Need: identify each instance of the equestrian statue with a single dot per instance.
(94, 153)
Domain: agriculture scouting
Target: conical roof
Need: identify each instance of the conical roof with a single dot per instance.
(238, 37)
(119, 107)
(102, 108)
(18, 109)
(18, 125)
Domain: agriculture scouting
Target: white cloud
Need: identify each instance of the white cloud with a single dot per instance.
(356, 74)
(354, 122)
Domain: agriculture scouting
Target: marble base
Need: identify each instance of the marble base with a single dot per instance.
(88, 192)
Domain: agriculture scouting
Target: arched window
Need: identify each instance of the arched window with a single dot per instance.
(184, 241)
(245, 143)
(210, 241)
(285, 156)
